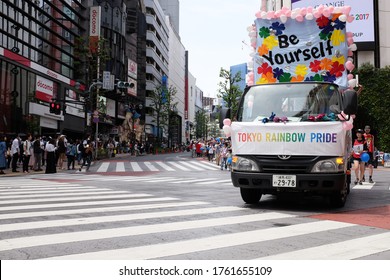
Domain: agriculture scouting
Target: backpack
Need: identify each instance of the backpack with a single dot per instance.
(37, 146)
(80, 148)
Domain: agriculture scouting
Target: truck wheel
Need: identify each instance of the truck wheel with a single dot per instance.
(339, 198)
(251, 196)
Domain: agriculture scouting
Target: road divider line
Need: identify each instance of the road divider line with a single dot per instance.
(62, 189)
(206, 243)
(61, 238)
(194, 180)
(135, 198)
(165, 166)
(135, 166)
(115, 218)
(189, 164)
(118, 195)
(177, 165)
(345, 250)
(59, 194)
(103, 167)
(120, 167)
(150, 166)
(99, 209)
(204, 165)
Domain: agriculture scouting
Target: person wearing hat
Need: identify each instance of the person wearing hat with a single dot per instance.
(370, 145)
(359, 146)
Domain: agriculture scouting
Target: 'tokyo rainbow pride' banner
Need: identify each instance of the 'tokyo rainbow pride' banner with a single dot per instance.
(320, 138)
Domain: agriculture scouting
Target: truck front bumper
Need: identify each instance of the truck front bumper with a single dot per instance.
(313, 182)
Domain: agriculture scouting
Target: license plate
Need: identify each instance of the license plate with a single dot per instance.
(289, 181)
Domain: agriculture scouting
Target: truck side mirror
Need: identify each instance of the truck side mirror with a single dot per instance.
(350, 102)
(224, 112)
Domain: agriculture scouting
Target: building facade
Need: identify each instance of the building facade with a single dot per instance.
(46, 54)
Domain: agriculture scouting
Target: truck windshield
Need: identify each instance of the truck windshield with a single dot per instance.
(295, 101)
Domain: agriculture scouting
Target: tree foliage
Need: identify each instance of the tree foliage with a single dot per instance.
(201, 120)
(162, 102)
(229, 90)
(374, 103)
(85, 63)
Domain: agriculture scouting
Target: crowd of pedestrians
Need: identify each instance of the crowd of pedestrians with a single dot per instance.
(216, 150)
(40, 153)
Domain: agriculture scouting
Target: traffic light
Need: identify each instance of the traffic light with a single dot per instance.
(52, 107)
(55, 108)
(122, 84)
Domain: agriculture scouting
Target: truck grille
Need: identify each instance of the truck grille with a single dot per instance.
(295, 164)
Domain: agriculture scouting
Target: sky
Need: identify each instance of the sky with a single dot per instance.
(212, 32)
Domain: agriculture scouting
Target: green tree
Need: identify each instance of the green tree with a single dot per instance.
(229, 90)
(374, 103)
(162, 103)
(85, 63)
(201, 121)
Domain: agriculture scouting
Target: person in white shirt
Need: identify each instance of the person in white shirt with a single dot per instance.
(50, 156)
(26, 152)
(15, 152)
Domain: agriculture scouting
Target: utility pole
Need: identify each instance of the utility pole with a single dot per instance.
(97, 103)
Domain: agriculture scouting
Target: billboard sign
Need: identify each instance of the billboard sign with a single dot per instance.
(44, 89)
(362, 27)
(94, 27)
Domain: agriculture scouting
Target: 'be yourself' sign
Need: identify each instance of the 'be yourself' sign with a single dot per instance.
(297, 51)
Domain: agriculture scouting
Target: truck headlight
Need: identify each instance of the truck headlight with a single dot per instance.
(332, 165)
(244, 164)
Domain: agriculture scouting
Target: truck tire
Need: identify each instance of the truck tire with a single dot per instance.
(339, 198)
(250, 196)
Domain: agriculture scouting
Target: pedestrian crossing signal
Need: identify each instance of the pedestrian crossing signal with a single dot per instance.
(55, 108)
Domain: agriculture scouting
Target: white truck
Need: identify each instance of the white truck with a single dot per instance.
(292, 132)
(306, 150)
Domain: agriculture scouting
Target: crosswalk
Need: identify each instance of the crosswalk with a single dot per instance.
(141, 166)
(42, 219)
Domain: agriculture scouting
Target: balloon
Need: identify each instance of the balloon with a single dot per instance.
(350, 76)
(326, 13)
(228, 130)
(218, 139)
(299, 18)
(353, 47)
(270, 14)
(201, 148)
(350, 19)
(227, 122)
(349, 65)
(346, 9)
(316, 14)
(283, 18)
(229, 160)
(309, 16)
(352, 83)
(347, 125)
(343, 18)
(365, 157)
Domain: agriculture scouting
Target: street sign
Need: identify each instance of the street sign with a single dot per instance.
(106, 80)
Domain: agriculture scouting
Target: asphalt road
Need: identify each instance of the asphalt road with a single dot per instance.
(175, 207)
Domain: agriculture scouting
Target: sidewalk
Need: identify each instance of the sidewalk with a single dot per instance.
(9, 173)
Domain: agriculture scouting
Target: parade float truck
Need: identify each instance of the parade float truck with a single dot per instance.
(292, 131)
